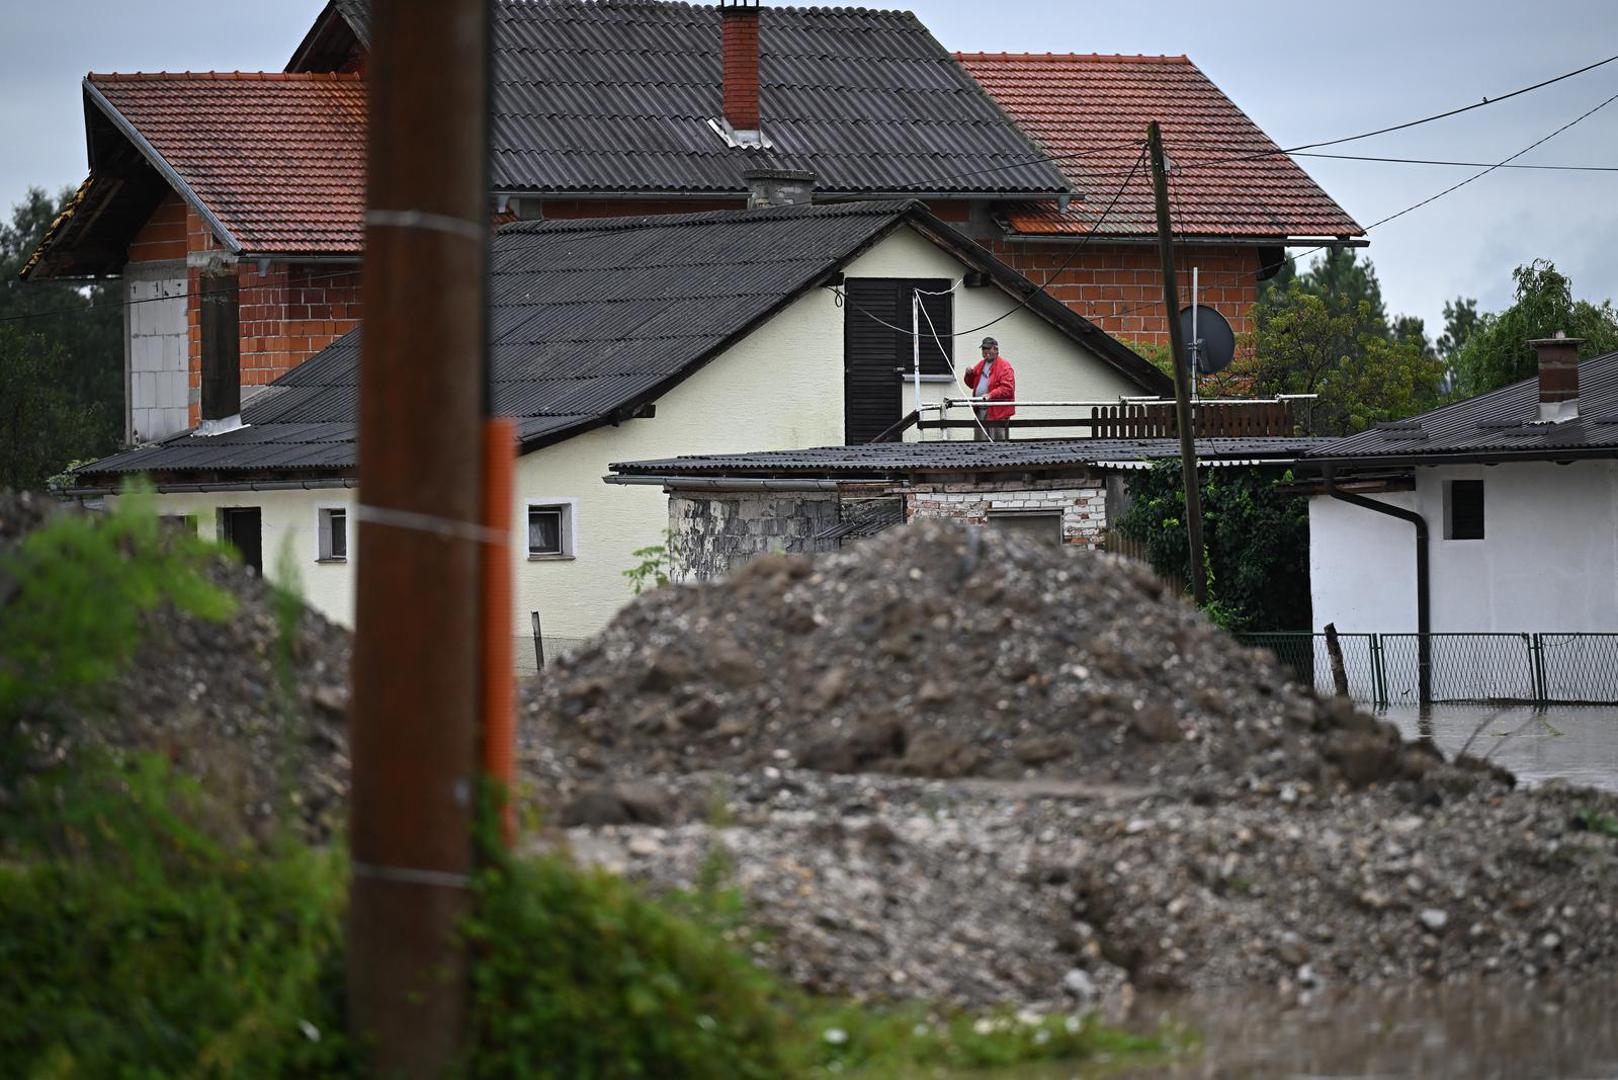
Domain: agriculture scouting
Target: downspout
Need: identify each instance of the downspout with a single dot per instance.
(1424, 645)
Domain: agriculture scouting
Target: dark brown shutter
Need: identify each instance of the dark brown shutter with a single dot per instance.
(871, 399)
(221, 346)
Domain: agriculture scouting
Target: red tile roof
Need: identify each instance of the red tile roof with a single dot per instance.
(1099, 106)
(278, 158)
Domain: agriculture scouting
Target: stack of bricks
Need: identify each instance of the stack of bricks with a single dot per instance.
(1119, 287)
(1083, 505)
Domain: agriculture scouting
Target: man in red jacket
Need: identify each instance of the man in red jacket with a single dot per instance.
(993, 379)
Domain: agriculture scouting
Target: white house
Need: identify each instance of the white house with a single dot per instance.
(636, 338)
(1498, 514)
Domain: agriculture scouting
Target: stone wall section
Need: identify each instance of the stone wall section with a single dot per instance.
(713, 534)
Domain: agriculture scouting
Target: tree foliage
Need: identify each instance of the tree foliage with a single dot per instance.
(1257, 542)
(1495, 350)
(60, 348)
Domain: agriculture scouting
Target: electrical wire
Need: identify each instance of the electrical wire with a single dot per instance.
(1268, 153)
(1475, 176)
(186, 295)
(951, 364)
(1463, 164)
(1085, 239)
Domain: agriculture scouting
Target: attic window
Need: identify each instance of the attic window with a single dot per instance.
(1463, 510)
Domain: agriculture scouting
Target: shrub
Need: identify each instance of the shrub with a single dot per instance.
(579, 975)
(138, 944)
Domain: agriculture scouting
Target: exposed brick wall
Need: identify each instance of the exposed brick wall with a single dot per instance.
(740, 49)
(164, 234)
(1106, 283)
(1083, 505)
(286, 315)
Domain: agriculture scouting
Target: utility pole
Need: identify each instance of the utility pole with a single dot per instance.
(415, 702)
(1182, 394)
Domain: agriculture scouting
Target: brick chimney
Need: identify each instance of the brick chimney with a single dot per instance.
(1558, 377)
(740, 21)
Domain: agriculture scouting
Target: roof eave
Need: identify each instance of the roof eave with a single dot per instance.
(93, 95)
(1478, 457)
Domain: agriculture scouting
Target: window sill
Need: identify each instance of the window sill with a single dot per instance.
(910, 377)
(559, 557)
(333, 559)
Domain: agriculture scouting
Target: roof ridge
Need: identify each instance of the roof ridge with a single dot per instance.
(863, 207)
(1059, 58)
(225, 76)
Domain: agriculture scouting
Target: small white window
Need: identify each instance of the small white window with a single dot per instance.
(1463, 510)
(550, 531)
(333, 534)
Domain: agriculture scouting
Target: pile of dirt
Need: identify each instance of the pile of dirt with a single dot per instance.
(953, 765)
(253, 706)
(937, 651)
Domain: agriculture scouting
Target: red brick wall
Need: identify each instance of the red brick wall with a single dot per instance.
(1119, 287)
(286, 315)
(164, 234)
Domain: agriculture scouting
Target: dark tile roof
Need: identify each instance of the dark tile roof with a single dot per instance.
(592, 318)
(1097, 106)
(1497, 425)
(886, 459)
(606, 96)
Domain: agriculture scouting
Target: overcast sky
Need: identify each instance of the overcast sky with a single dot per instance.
(1303, 72)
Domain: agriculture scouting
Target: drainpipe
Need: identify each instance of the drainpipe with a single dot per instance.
(1424, 645)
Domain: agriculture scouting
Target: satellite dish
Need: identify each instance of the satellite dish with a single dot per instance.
(1217, 340)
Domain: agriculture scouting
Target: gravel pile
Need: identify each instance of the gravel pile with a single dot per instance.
(958, 766)
(254, 711)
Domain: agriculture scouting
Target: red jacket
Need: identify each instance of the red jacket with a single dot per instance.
(1002, 387)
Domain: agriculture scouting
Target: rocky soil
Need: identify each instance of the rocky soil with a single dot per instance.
(957, 766)
(256, 709)
(953, 766)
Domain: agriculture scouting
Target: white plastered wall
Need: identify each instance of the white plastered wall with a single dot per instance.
(780, 387)
(1548, 560)
(291, 540)
(1050, 366)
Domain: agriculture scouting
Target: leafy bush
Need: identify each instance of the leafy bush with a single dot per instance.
(1257, 542)
(579, 975)
(82, 583)
(138, 944)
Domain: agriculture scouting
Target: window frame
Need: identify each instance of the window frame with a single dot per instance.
(323, 537)
(1031, 513)
(566, 532)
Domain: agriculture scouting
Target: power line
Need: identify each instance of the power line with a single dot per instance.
(1475, 176)
(1463, 164)
(1275, 152)
(187, 294)
(1038, 290)
(1451, 112)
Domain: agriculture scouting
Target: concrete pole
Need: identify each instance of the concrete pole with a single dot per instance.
(1182, 403)
(413, 723)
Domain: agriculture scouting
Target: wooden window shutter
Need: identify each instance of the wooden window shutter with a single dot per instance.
(221, 346)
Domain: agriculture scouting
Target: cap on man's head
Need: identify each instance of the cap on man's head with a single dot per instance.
(987, 342)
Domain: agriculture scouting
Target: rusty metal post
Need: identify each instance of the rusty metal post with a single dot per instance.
(413, 730)
(1182, 381)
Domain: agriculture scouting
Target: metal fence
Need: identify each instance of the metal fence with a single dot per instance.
(1385, 669)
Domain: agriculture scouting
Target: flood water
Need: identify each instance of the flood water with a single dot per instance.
(1575, 743)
